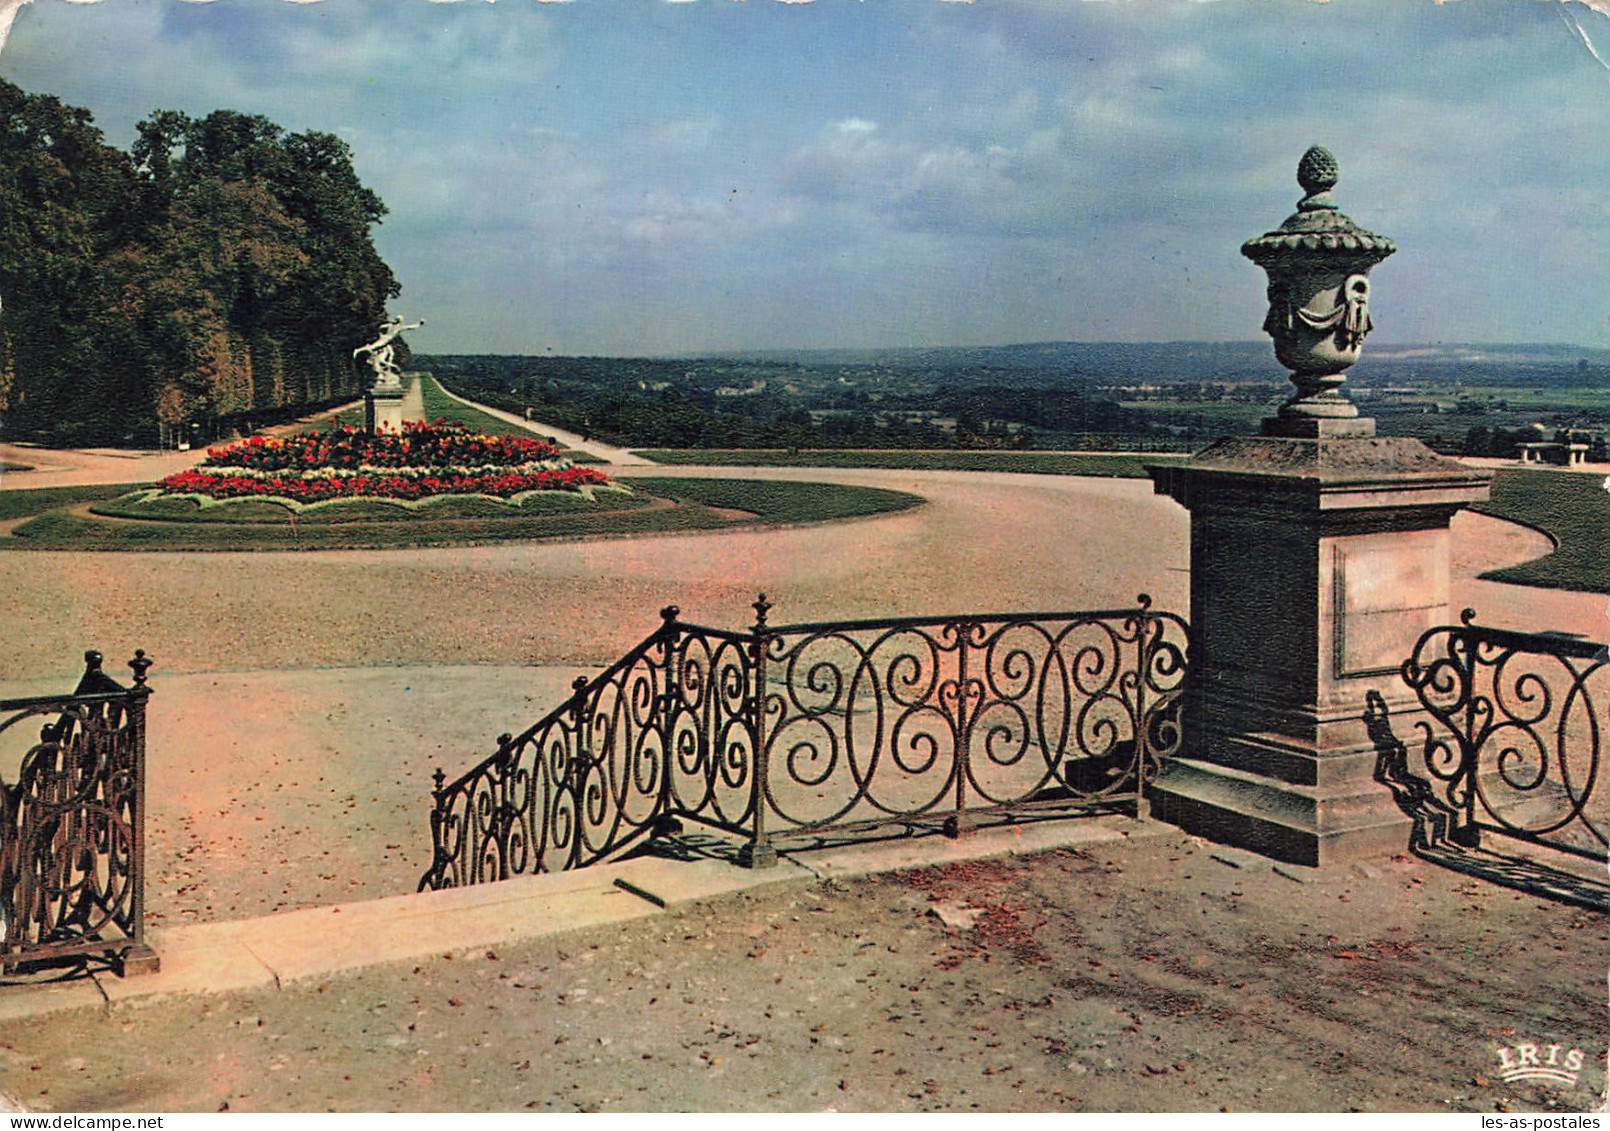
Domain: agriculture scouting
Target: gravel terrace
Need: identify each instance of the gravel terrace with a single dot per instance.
(302, 700)
(1154, 974)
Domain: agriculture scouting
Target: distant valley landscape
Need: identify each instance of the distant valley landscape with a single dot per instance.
(1462, 399)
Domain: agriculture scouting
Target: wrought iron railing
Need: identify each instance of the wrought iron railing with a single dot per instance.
(72, 825)
(662, 732)
(789, 734)
(1514, 733)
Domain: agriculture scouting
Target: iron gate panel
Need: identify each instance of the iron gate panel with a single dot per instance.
(72, 826)
(662, 733)
(954, 718)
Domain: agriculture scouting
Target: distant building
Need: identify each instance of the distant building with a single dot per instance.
(1562, 454)
(1569, 448)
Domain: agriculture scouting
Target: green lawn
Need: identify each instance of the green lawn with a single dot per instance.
(1573, 508)
(692, 505)
(38, 500)
(438, 405)
(1124, 466)
(779, 500)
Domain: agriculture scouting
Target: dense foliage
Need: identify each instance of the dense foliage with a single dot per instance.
(422, 461)
(221, 270)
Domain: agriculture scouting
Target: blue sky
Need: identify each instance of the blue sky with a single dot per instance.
(646, 176)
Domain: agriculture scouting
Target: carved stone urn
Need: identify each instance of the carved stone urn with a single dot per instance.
(1318, 263)
(1319, 556)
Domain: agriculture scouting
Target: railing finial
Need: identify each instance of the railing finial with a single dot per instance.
(1144, 600)
(504, 751)
(92, 661)
(141, 664)
(1468, 617)
(670, 613)
(761, 607)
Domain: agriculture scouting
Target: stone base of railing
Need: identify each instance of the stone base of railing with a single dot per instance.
(138, 959)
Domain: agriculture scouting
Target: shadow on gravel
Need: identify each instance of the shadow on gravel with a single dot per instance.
(1430, 839)
(681, 842)
(43, 972)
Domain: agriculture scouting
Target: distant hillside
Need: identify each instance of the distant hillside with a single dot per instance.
(1078, 361)
(1232, 362)
(1056, 395)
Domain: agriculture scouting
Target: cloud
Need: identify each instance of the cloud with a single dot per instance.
(8, 14)
(593, 178)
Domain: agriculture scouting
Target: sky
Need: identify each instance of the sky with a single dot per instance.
(646, 177)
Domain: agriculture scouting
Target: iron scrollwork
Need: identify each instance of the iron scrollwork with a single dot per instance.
(1514, 736)
(72, 866)
(950, 719)
(662, 733)
(790, 731)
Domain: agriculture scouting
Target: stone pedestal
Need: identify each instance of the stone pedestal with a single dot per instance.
(1316, 563)
(383, 409)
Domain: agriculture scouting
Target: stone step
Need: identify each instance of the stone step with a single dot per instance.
(1297, 824)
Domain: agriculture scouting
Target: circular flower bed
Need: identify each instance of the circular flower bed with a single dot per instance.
(421, 461)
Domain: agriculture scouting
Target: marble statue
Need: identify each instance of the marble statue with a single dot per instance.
(382, 352)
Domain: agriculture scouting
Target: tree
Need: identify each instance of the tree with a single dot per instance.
(64, 196)
(220, 268)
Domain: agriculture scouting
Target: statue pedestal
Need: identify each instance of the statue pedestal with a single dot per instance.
(383, 409)
(1316, 563)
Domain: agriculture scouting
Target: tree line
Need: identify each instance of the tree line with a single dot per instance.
(676, 403)
(220, 271)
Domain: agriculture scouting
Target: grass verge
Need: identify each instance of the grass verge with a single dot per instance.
(1127, 465)
(438, 405)
(667, 505)
(37, 500)
(777, 500)
(1573, 508)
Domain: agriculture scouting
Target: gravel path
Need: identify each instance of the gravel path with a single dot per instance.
(984, 541)
(1002, 542)
(304, 699)
(56, 467)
